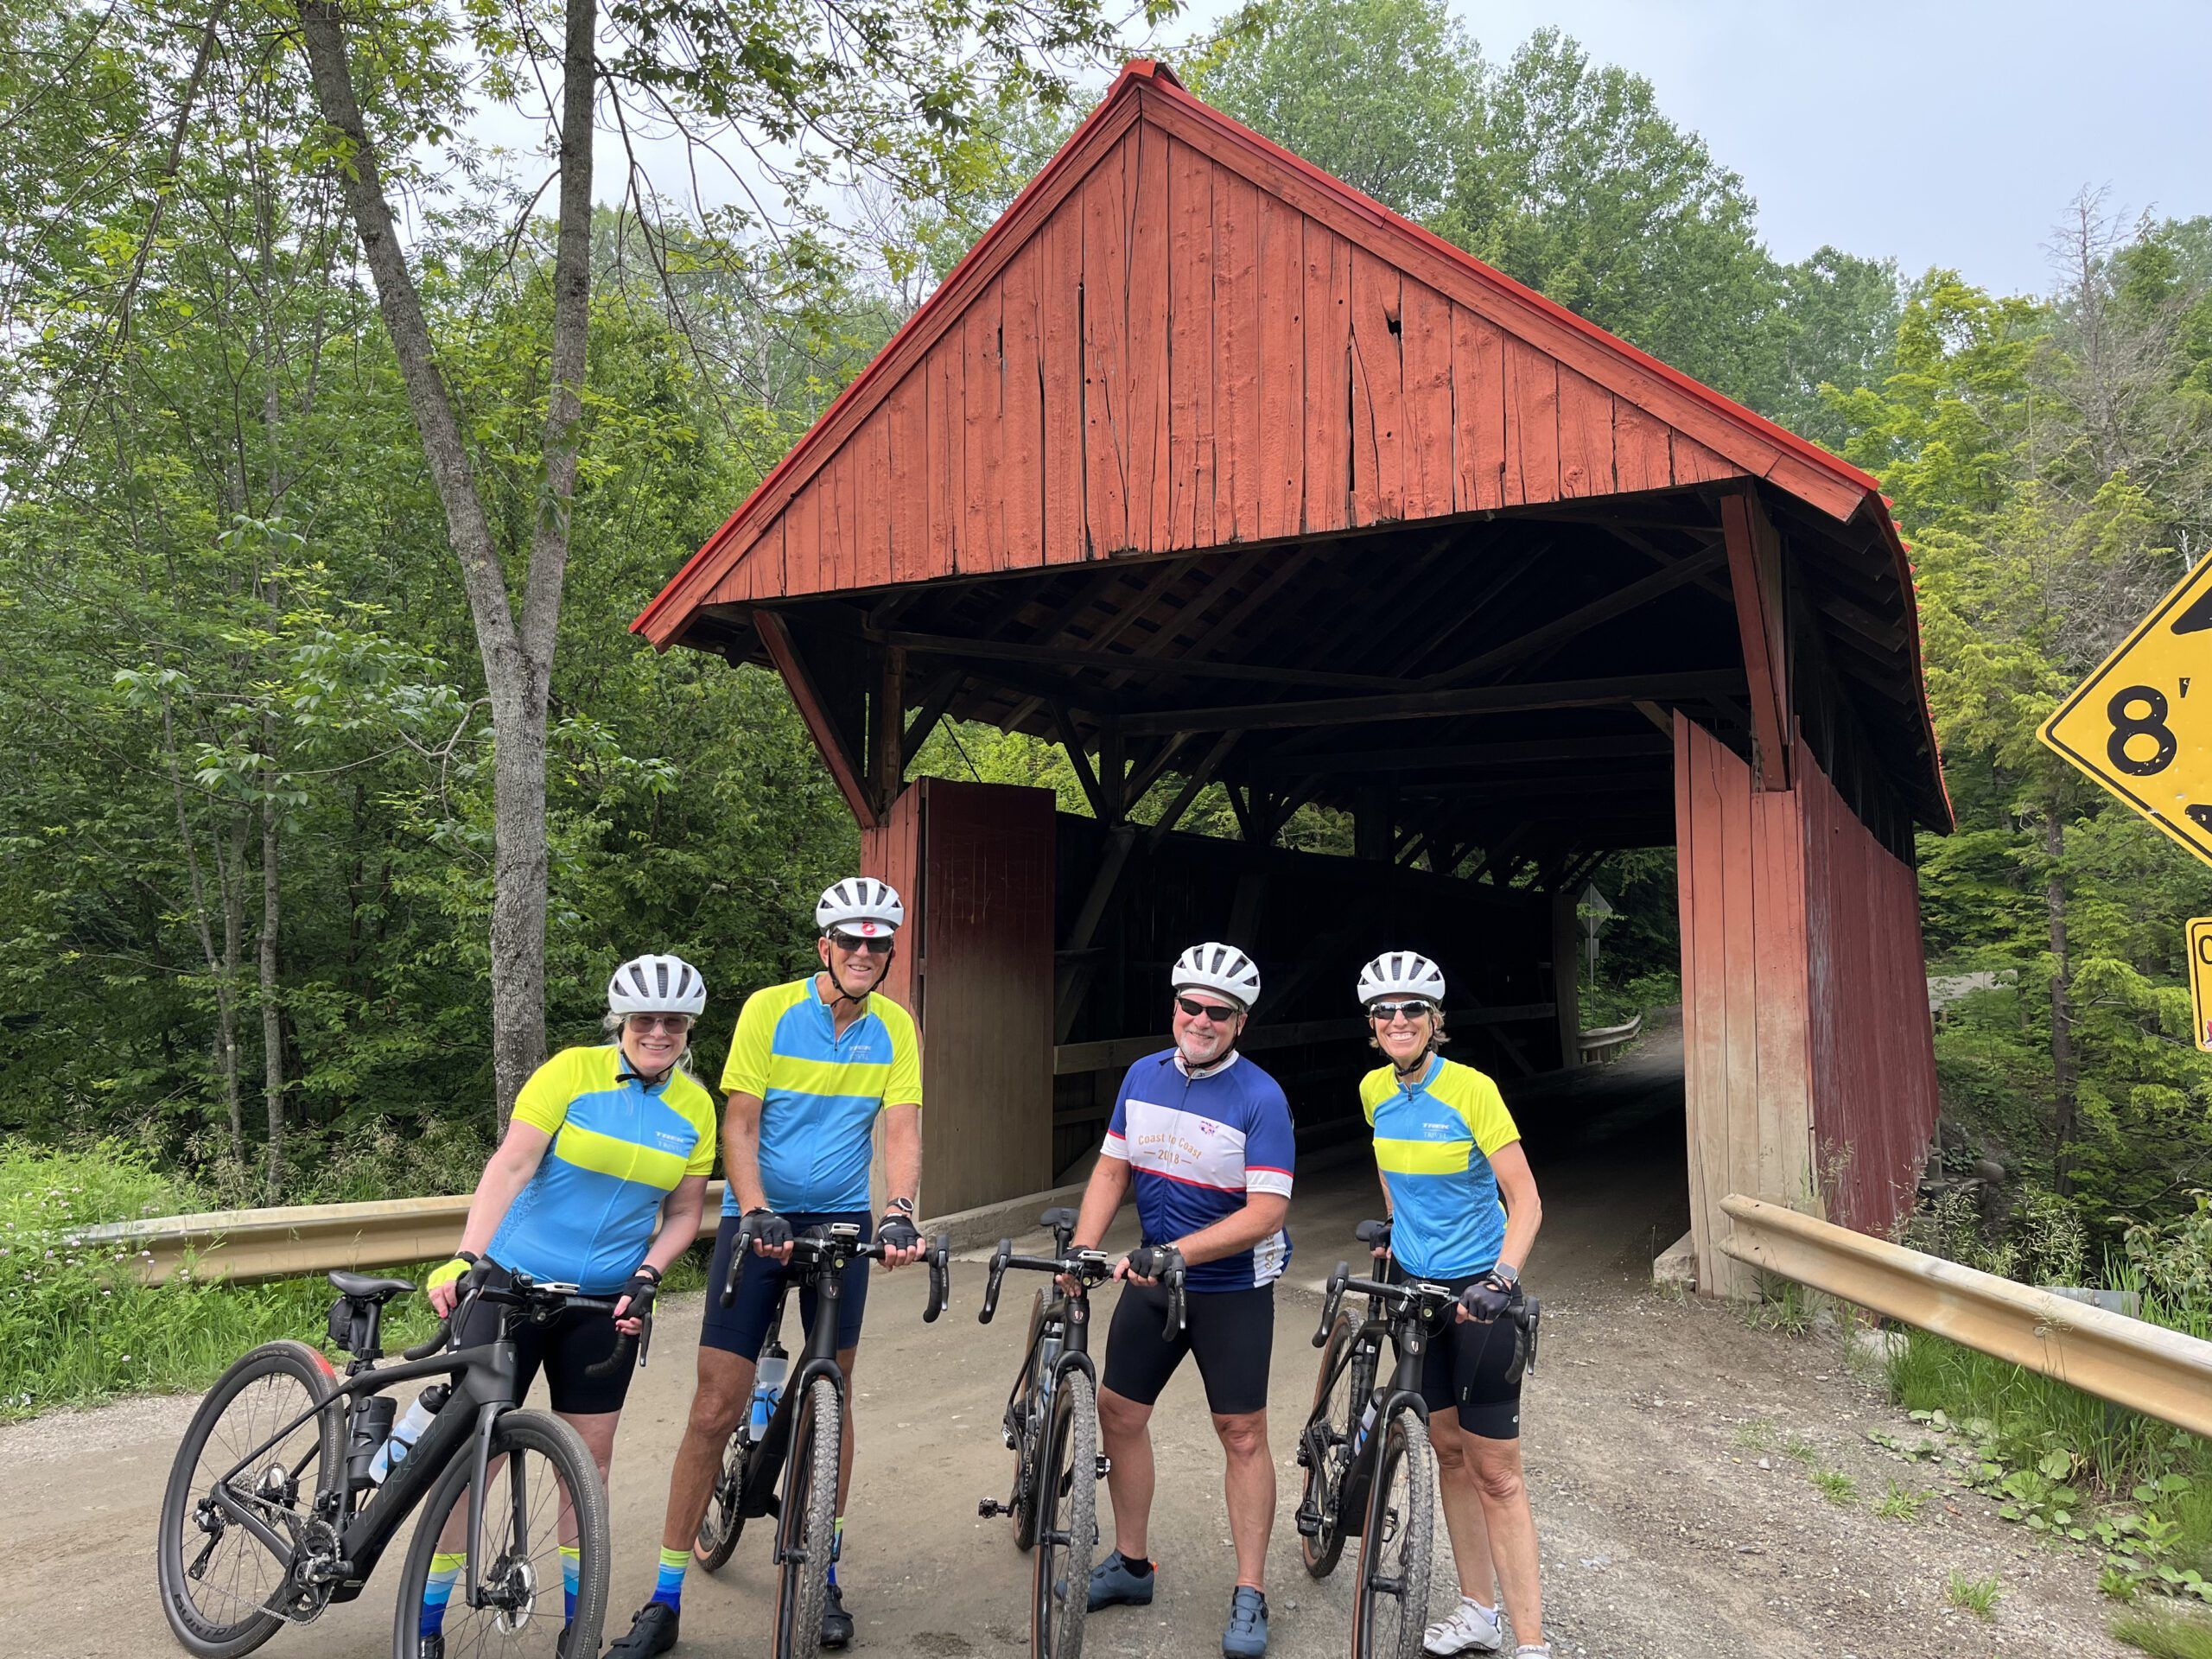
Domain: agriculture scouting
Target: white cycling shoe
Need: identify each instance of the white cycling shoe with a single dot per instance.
(1468, 1629)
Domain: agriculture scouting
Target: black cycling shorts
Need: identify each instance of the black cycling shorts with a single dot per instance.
(565, 1347)
(1468, 1368)
(743, 1326)
(1231, 1331)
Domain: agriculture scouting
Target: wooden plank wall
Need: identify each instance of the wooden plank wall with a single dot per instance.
(1746, 1055)
(1178, 359)
(974, 862)
(1873, 1046)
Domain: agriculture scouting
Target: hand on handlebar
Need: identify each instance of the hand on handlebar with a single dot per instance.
(772, 1235)
(1484, 1300)
(900, 1238)
(450, 1281)
(1149, 1264)
(633, 1304)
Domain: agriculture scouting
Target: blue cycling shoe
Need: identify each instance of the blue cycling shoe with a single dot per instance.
(1112, 1585)
(1246, 1635)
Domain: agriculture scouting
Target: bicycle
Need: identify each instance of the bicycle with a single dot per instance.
(803, 1436)
(1369, 1470)
(1051, 1427)
(296, 1520)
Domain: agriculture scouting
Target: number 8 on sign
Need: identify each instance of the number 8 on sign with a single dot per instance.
(2134, 726)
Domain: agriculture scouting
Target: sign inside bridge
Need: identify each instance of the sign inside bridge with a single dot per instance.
(2200, 979)
(2142, 724)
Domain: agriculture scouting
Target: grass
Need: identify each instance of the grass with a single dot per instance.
(1976, 1596)
(1758, 1435)
(1835, 1487)
(2165, 1635)
(1803, 1450)
(1900, 1504)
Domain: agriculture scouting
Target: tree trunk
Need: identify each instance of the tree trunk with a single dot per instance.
(273, 1021)
(517, 659)
(226, 1045)
(229, 875)
(2064, 1074)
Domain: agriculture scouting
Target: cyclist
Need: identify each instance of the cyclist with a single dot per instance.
(600, 1183)
(812, 1064)
(1464, 1211)
(1202, 1137)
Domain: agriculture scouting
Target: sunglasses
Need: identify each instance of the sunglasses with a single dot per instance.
(674, 1024)
(848, 944)
(1220, 1014)
(1386, 1012)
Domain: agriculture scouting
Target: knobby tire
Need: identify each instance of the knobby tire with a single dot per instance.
(1340, 1393)
(1067, 1512)
(805, 1530)
(217, 1616)
(725, 1517)
(1398, 1544)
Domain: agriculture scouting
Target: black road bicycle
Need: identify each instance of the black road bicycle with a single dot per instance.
(1370, 1469)
(804, 1437)
(1052, 1427)
(272, 1513)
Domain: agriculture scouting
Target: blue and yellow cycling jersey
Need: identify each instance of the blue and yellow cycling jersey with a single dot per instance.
(1434, 1140)
(620, 1146)
(819, 1092)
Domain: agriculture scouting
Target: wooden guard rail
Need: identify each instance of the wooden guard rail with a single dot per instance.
(2131, 1362)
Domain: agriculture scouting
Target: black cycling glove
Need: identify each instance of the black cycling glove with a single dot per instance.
(770, 1230)
(897, 1232)
(1155, 1261)
(644, 1285)
(1486, 1298)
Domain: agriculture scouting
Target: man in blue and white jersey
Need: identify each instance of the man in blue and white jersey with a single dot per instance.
(1202, 1137)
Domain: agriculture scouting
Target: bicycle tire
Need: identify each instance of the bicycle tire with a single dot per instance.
(725, 1517)
(1401, 1515)
(515, 1436)
(245, 1626)
(1340, 1392)
(1067, 1531)
(809, 1520)
(1027, 1445)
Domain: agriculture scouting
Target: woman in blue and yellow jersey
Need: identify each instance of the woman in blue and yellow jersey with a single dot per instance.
(1463, 1212)
(600, 1183)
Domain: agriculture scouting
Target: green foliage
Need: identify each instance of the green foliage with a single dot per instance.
(1901, 1503)
(1835, 1485)
(2165, 1634)
(1976, 1596)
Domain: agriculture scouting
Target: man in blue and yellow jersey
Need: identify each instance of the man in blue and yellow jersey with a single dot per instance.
(812, 1064)
(1463, 1212)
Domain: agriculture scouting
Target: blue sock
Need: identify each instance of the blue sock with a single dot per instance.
(445, 1567)
(836, 1546)
(571, 1565)
(668, 1589)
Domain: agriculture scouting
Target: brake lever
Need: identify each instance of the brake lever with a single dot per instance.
(1173, 1280)
(1000, 1259)
(940, 1277)
(1332, 1300)
(739, 1248)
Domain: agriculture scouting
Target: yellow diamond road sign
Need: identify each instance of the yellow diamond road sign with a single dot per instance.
(2200, 979)
(2142, 724)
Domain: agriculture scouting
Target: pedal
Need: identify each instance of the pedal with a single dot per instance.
(990, 1506)
(1105, 1466)
(1309, 1521)
(1304, 1455)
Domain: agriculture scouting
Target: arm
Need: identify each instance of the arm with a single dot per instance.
(680, 1212)
(507, 1172)
(1389, 1214)
(1524, 1210)
(1262, 1214)
(902, 1167)
(1108, 1190)
(741, 1161)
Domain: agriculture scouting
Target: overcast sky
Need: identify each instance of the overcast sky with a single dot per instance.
(1939, 133)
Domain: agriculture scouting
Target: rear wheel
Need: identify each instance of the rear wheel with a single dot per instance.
(807, 1527)
(217, 1577)
(1027, 1412)
(539, 1470)
(725, 1518)
(1340, 1395)
(1390, 1604)
(1067, 1520)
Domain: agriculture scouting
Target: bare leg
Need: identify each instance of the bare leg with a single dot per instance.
(1123, 1424)
(845, 1356)
(1512, 1532)
(597, 1429)
(1250, 1484)
(723, 1392)
(1463, 1508)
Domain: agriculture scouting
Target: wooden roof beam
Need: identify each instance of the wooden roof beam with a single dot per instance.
(1428, 705)
(1636, 745)
(1125, 667)
(1755, 581)
(844, 765)
(1583, 618)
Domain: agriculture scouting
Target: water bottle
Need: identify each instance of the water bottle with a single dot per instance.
(404, 1433)
(768, 1388)
(1366, 1422)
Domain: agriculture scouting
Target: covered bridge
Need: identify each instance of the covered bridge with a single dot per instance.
(1211, 469)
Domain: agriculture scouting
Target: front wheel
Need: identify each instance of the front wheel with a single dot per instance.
(1391, 1604)
(806, 1530)
(217, 1577)
(542, 1490)
(1067, 1523)
(1340, 1394)
(725, 1518)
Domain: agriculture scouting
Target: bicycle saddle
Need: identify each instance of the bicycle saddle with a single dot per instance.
(361, 1285)
(1056, 1220)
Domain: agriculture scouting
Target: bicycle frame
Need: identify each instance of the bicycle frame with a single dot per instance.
(1397, 1311)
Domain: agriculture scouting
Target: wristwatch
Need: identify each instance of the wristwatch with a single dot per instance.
(1508, 1272)
(904, 1207)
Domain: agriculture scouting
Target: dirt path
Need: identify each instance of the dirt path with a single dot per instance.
(1647, 1423)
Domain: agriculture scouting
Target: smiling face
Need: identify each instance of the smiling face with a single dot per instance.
(1402, 1027)
(857, 955)
(653, 1042)
(1204, 1036)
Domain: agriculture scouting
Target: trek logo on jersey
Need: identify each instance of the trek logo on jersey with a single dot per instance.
(671, 1140)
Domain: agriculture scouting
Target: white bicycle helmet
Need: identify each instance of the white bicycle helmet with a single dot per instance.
(1221, 967)
(861, 904)
(656, 985)
(1400, 973)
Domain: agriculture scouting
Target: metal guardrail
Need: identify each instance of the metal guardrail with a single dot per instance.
(1589, 1044)
(2145, 1367)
